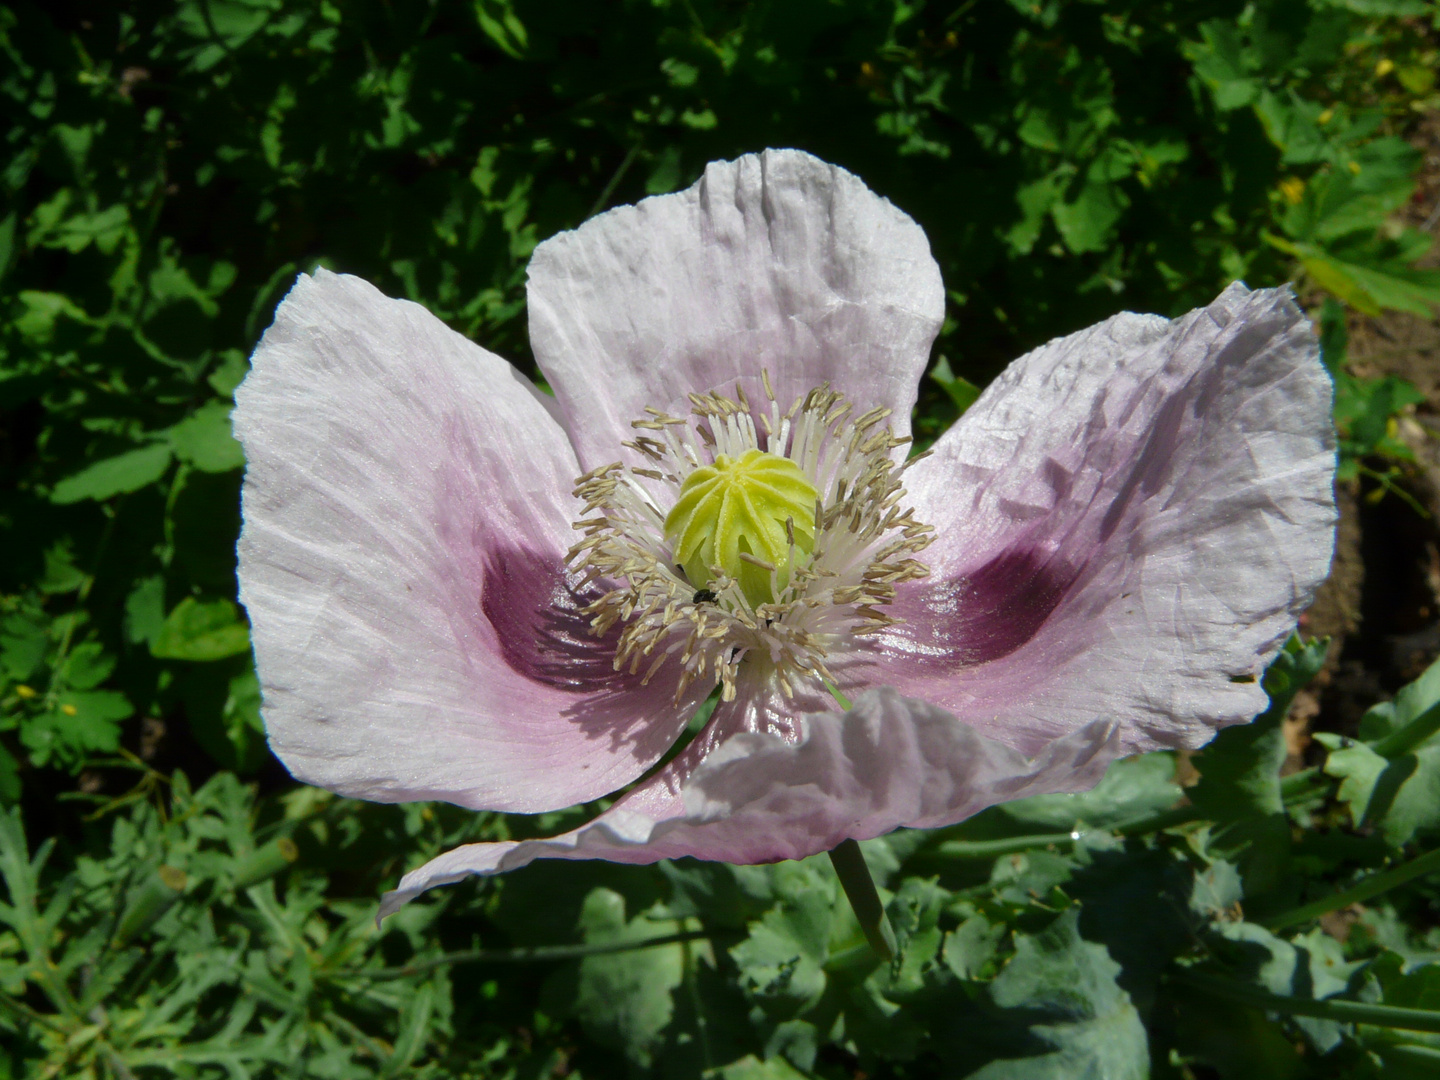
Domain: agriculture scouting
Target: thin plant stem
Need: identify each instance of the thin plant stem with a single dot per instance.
(860, 889)
(855, 878)
(1411, 735)
(1367, 887)
(994, 849)
(531, 954)
(614, 182)
(1345, 1012)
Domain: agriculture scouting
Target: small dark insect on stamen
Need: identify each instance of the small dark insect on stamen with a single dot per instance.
(704, 596)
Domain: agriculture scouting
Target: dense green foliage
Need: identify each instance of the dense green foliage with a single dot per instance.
(171, 167)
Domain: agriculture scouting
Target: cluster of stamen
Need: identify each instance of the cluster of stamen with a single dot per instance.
(864, 542)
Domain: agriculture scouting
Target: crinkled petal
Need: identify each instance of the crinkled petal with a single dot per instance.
(1129, 521)
(777, 261)
(407, 509)
(889, 761)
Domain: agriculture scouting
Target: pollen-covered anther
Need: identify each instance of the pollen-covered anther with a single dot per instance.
(747, 536)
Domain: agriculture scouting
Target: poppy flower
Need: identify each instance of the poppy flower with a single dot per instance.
(464, 588)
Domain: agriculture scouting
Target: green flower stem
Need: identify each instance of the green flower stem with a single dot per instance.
(994, 849)
(859, 887)
(531, 954)
(1345, 1012)
(1296, 788)
(148, 901)
(264, 862)
(1305, 785)
(1420, 1056)
(1364, 889)
(1401, 742)
(1165, 819)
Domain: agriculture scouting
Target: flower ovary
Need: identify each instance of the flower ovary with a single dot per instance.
(758, 505)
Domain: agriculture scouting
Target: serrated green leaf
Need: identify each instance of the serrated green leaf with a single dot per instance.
(1399, 793)
(114, 476)
(203, 439)
(625, 999)
(201, 630)
(229, 373)
(1132, 788)
(782, 961)
(1400, 797)
(751, 1067)
(24, 640)
(1239, 769)
(1066, 986)
(1035, 200)
(87, 666)
(42, 311)
(1240, 775)
(76, 724)
(1085, 223)
(1370, 276)
(971, 946)
(145, 610)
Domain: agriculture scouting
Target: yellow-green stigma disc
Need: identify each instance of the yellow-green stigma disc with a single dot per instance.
(742, 505)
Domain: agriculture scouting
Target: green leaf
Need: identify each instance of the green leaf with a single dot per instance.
(1369, 276)
(752, 1068)
(61, 574)
(1405, 986)
(1395, 8)
(961, 391)
(145, 610)
(1066, 986)
(1411, 705)
(1391, 781)
(76, 725)
(1240, 775)
(41, 313)
(114, 476)
(1132, 788)
(782, 961)
(229, 373)
(201, 630)
(204, 440)
(87, 666)
(1086, 223)
(24, 640)
(625, 999)
(1399, 797)
(1220, 63)
(970, 948)
(1311, 965)
(1035, 200)
(1239, 770)
(499, 23)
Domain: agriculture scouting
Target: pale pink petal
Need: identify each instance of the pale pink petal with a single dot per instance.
(777, 261)
(1129, 520)
(407, 507)
(758, 797)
